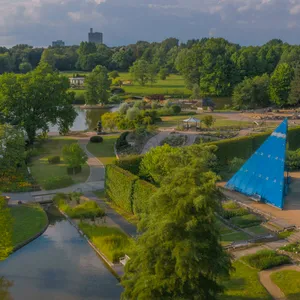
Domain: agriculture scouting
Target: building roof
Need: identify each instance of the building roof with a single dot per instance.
(192, 120)
(262, 176)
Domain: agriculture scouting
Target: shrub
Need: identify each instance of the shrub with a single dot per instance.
(119, 186)
(176, 109)
(96, 139)
(228, 214)
(230, 205)
(293, 160)
(130, 163)
(58, 182)
(236, 164)
(175, 140)
(293, 247)
(265, 259)
(54, 160)
(246, 220)
(87, 210)
(121, 142)
(30, 153)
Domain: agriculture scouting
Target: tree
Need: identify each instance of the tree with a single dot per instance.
(36, 99)
(6, 229)
(294, 96)
(208, 120)
(113, 74)
(176, 109)
(97, 86)
(109, 120)
(25, 67)
(252, 92)
(152, 73)
(123, 108)
(179, 255)
(132, 113)
(140, 71)
(195, 92)
(74, 156)
(280, 84)
(163, 73)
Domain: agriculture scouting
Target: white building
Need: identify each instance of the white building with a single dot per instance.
(77, 81)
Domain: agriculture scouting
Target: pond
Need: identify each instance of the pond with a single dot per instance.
(59, 265)
(86, 119)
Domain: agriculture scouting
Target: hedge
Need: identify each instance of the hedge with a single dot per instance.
(130, 163)
(119, 185)
(121, 142)
(141, 194)
(244, 147)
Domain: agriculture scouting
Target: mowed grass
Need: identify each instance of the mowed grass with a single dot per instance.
(42, 171)
(28, 221)
(104, 151)
(289, 283)
(244, 284)
(228, 238)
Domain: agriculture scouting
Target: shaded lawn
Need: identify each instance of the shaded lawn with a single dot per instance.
(289, 283)
(28, 221)
(42, 171)
(104, 151)
(244, 284)
(258, 230)
(238, 236)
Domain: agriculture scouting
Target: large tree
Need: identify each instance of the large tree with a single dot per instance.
(36, 99)
(140, 71)
(280, 84)
(97, 86)
(179, 255)
(294, 96)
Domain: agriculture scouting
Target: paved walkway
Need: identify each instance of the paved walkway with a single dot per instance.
(272, 288)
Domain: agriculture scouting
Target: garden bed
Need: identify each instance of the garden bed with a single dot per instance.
(174, 140)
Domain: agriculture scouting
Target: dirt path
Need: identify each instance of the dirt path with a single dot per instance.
(272, 288)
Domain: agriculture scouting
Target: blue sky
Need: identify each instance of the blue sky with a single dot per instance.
(38, 22)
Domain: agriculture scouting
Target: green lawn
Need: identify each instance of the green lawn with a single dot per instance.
(105, 150)
(28, 221)
(289, 283)
(238, 236)
(244, 285)
(258, 230)
(42, 171)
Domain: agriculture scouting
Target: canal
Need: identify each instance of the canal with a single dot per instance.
(59, 265)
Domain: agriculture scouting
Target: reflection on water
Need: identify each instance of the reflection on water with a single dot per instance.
(4, 286)
(86, 119)
(59, 265)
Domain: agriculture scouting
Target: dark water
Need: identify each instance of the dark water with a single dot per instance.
(59, 265)
(86, 119)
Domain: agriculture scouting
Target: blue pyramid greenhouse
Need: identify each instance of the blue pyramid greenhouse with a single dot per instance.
(262, 176)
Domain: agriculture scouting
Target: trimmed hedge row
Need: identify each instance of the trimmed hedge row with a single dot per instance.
(130, 163)
(127, 190)
(119, 185)
(244, 147)
(141, 194)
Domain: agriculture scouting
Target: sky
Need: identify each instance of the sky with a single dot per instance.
(246, 22)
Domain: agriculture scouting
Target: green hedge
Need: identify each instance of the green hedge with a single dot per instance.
(244, 147)
(119, 185)
(130, 163)
(141, 194)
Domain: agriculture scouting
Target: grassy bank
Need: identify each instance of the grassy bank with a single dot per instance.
(28, 221)
(105, 150)
(44, 173)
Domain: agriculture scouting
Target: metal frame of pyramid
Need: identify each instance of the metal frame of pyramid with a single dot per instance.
(262, 176)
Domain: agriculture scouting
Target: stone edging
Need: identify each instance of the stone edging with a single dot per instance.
(32, 238)
(103, 257)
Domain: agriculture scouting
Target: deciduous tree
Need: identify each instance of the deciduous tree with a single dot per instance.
(74, 155)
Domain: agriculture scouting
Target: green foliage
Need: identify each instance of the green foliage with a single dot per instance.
(230, 205)
(235, 164)
(163, 73)
(113, 74)
(74, 155)
(132, 113)
(293, 160)
(130, 163)
(245, 220)
(119, 186)
(265, 259)
(294, 96)
(208, 120)
(96, 139)
(25, 67)
(54, 160)
(176, 109)
(123, 108)
(237, 212)
(280, 84)
(58, 182)
(174, 140)
(293, 248)
(97, 86)
(6, 229)
(111, 241)
(196, 92)
(141, 72)
(121, 142)
(142, 193)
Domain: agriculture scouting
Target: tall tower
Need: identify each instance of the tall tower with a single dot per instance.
(95, 37)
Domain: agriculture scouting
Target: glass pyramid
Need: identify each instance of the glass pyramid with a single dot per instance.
(262, 176)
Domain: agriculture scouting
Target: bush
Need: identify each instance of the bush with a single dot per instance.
(245, 221)
(176, 109)
(96, 139)
(54, 160)
(265, 259)
(293, 247)
(230, 205)
(87, 210)
(130, 163)
(121, 142)
(142, 193)
(119, 186)
(293, 160)
(58, 182)
(228, 214)
(236, 164)
(174, 140)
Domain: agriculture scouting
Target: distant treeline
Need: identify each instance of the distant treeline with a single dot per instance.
(214, 64)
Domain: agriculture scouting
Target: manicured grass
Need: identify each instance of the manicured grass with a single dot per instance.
(42, 171)
(113, 242)
(28, 221)
(258, 230)
(244, 285)
(265, 259)
(229, 238)
(289, 283)
(104, 151)
(246, 220)
(285, 234)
